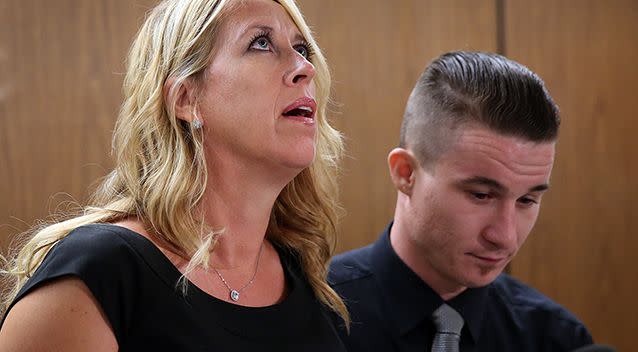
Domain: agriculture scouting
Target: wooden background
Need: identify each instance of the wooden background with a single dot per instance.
(61, 65)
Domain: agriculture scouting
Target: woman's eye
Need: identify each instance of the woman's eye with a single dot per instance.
(303, 50)
(260, 43)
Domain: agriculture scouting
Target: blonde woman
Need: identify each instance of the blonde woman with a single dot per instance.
(214, 230)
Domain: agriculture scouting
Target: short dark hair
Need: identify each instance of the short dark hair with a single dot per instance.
(481, 88)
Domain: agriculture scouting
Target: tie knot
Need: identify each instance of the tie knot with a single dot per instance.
(447, 320)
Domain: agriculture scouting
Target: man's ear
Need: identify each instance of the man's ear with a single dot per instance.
(402, 164)
(185, 101)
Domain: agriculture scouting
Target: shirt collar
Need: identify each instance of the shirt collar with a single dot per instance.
(410, 301)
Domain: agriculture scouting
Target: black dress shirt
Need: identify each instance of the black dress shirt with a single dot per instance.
(390, 308)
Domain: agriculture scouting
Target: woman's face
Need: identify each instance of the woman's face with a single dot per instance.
(257, 99)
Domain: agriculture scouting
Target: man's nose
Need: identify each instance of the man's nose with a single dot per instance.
(502, 229)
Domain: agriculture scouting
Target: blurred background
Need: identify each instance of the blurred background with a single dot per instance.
(61, 70)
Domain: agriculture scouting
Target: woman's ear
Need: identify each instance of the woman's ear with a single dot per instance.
(184, 98)
(402, 165)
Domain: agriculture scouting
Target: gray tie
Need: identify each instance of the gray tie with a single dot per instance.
(448, 324)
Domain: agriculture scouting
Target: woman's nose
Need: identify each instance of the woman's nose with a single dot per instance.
(302, 71)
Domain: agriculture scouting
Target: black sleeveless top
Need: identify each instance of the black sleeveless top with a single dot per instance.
(135, 285)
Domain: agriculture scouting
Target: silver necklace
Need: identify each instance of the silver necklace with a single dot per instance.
(234, 294)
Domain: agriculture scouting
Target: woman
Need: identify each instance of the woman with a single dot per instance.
(215, 228)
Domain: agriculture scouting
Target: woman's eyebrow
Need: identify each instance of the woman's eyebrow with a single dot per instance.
(261, 27)
(267, 29)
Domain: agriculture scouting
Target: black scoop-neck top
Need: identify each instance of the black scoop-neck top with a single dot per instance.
(137, 288)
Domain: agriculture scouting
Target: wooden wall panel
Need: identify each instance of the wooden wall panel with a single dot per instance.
(580, 252)
(61, 65)
(377, 49)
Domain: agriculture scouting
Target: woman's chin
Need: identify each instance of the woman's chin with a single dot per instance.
(299, 156)
(298, 163)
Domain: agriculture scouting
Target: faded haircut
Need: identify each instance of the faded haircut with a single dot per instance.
(479, 89)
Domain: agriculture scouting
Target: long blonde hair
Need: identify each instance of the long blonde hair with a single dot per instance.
(160, 174)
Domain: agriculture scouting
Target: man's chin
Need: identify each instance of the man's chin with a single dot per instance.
(483, 280)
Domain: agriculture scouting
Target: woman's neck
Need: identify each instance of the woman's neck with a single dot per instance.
(238, 199)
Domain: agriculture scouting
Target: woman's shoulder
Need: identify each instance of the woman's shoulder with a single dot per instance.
(100, 237)
(110, 251)
(53, 316)
(94, 250)
(106, 259)
(104, 244)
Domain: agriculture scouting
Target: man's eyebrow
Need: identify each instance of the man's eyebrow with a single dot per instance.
(539, 188)
(482, 181)
(486, 181)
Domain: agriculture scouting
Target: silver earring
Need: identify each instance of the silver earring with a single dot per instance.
(197, 123)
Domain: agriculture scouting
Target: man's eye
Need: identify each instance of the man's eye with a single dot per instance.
(527, 201)
(480, 196)
(260, 43)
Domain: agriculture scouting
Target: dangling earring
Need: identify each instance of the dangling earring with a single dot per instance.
(197, 122)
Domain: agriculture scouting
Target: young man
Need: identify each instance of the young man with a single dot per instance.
(475, 157)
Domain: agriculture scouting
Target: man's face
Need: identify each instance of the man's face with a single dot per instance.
(471, 213)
